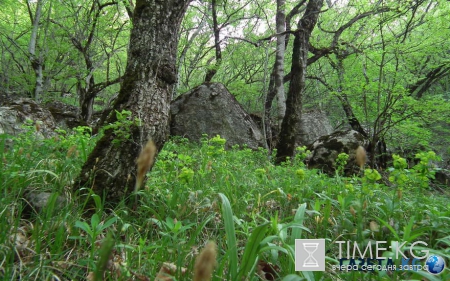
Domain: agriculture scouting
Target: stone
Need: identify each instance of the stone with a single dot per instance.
(211, 109)
(326, 149)
(23, 111)
(442, 177)
(66, 116)
(313, 125)
(38, 201)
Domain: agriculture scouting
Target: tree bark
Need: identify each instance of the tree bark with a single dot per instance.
(279, 62)
(36, 61)
(212, 71)
(110, 170)
(275, 89)
(291, 121)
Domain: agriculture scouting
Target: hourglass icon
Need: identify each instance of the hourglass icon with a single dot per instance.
(310, 261)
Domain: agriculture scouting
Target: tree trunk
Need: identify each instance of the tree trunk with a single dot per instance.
(213, 70)
(346, 106)
(86, 97)
(279, 61)
(351, 118)
(270, 135)
(283, 23)
(146, 89)
(291, 121)
(36, 61)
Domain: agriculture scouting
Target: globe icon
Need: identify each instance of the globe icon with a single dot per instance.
(435, 264)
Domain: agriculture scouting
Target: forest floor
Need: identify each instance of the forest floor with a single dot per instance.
(252, 209)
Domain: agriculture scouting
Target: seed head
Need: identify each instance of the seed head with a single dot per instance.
(205, 262)
(144, 162)
(360, 157)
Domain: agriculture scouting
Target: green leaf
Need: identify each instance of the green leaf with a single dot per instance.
(108, 223)
(292, 277)
(230, 233)
(390, 228)
(272, 247)
(251, 251)
(95, 221)
(197, 231)
(298, 219)
(98, 202)
(84, 226)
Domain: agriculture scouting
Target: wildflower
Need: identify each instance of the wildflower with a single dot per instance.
(300, 174)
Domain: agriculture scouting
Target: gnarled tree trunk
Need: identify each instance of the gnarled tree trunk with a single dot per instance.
(145, 91)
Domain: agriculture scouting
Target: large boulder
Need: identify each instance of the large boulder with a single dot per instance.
(326, 149)
(65, 115)
(24, 111)
(313, 125)
(211, 109)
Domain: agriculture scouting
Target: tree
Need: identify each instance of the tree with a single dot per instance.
(213, 52)
(277, 78)
(291, 120)
(216, 30)
(145, 92)
(83, 33)
(37, 61)
(66, 46)
(278, 68)
(370, 56)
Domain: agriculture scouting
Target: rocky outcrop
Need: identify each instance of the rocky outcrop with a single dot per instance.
(211, 109)
(313, 125)
(14, 114)
(66, 116)
(326, 149)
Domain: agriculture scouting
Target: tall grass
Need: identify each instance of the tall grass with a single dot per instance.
(252, 209)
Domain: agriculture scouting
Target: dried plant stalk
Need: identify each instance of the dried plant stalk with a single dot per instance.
(144, 162)
(205, 262)
(360, 157)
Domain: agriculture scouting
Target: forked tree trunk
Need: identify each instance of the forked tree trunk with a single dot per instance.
(146, 89)
(291, 121)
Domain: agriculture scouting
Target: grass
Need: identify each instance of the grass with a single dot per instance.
(252, 209)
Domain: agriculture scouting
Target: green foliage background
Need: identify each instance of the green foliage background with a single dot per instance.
(196, 192)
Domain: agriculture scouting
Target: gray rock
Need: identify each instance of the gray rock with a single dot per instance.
(313, 125)
(66, 116)
(442, 177)
(14, 115)
(39, 200)
(326, 149)
(211, 109)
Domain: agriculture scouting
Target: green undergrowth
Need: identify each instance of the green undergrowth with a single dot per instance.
(253, 209)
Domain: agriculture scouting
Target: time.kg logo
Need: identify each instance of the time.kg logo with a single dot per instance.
(309, 254)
